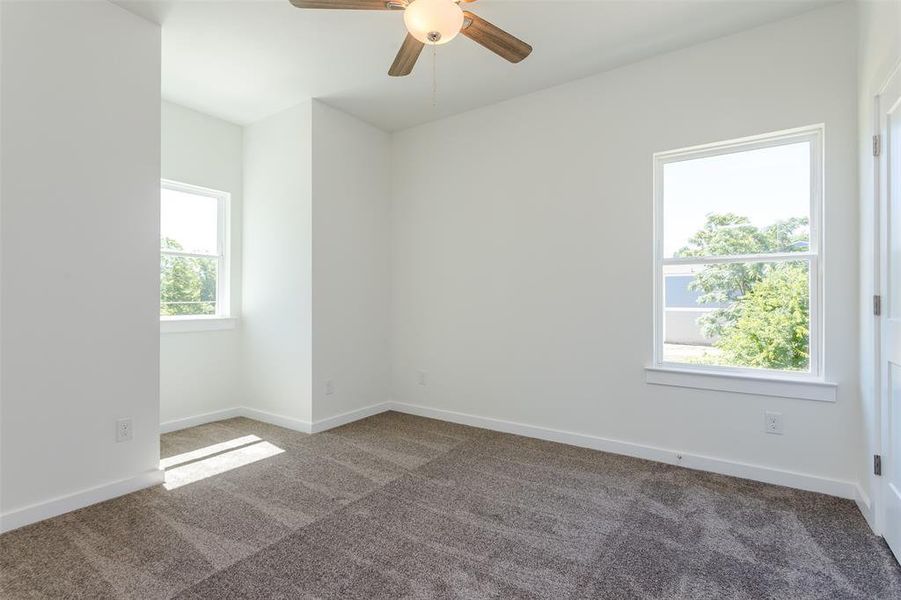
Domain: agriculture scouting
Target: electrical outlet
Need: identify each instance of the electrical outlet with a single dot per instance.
(421, 377)
(773, 422)
(124, 431)
(329, 387)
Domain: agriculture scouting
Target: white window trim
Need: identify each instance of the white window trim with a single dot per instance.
(811, 385)
(186, 324)
(742, 383)
(223, 319)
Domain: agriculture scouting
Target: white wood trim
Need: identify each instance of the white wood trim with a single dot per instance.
(891, 87)
(201, 419)
(815, 136)
(190, 188)
(223, 241)
(349, 417)
(189, 254)
(57, 506)
(743, 383)
(834, 487)
(224, 289)
(738, 258)
(879, 277)
(862, 500)
(753, 142)
(814, 483)
(188, 324)
(772, 475)
(276, 419)
(750, 373)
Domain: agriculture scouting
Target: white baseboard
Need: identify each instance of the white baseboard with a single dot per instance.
(57, 506)
(202, 419)
(812, 483)
(833, 487)
(776, 476)
(866, 508)
(275, 419)
(315, 426)
(349, 416)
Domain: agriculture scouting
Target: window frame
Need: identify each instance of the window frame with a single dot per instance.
(815, 136)
(176, 323)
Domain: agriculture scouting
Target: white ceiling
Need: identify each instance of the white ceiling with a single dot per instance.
(245, 60)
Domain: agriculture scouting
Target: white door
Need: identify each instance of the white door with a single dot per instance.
(890, 188)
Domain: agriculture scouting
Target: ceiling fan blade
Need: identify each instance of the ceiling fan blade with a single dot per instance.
(345, 4)
(406, 57)
(494, 38)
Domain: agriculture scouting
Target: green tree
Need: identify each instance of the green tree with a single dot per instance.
(763, 318)
(729, 235)
(207, 271)
(773, 324)
(187, 284)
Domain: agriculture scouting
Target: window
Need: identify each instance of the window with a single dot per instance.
(737, 252)
(193, 252)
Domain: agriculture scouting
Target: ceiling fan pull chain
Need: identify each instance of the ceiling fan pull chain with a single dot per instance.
(434, 76)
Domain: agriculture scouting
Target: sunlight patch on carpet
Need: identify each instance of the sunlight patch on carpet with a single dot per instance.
(212, 460)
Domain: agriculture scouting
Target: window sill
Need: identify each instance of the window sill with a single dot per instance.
(192, 324)
(802, 389)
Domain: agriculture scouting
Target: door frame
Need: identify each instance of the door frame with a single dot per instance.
(880, 283)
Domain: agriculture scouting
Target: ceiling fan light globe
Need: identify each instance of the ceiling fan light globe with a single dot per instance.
(433, 22)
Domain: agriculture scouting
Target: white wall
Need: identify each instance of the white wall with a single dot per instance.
(316, 264)
(80, 151)
(504, 223)
(200, 371)
(879, 52)
(351, 271)
(277, 257)
(510, 221)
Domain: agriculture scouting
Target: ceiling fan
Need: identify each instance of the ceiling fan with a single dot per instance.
(433, 22)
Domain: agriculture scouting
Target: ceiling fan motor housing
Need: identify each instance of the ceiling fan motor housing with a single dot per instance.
(433, 21)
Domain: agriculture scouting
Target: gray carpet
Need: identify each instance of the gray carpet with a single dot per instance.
(396, 506)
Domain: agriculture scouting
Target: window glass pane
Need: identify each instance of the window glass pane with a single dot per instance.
(751, 202)
(187, 285)
(188, 222)
(753, 315)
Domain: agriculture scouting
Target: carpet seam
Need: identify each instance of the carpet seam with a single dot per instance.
(324, 517)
